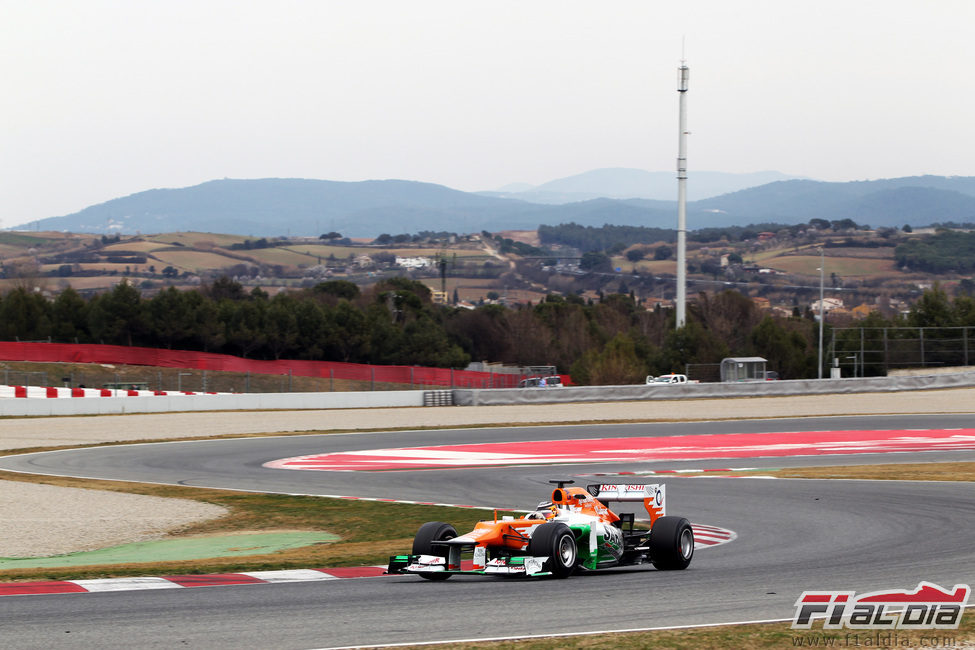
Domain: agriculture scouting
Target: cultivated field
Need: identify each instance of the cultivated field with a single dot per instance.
(194, 261)
(197, 239)
(841, 266)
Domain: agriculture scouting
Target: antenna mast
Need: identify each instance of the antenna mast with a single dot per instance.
(683, 74)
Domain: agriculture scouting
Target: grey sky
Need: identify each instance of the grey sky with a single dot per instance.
(106, 98)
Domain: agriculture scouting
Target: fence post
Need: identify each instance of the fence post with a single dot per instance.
(832, 347)
(921, 341)
(372, 371)
(886, 355)
(331, 380)
(451, 379)
(964, 337)
(862, 359)
(411, 377)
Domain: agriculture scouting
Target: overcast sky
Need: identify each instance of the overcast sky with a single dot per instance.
(100, 99)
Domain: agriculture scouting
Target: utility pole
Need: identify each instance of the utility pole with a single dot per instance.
(822, 275)
(442, 263)
(683, 74)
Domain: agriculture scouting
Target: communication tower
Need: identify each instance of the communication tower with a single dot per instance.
(681, 301)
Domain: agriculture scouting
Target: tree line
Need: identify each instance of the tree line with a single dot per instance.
(613, 340)
(943, 252)
(612, 239)
(393, 323)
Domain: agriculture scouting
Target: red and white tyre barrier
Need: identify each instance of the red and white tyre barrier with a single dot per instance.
(53, 392)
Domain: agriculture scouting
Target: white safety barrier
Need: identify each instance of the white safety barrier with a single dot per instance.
(710, 390)
(201, 402)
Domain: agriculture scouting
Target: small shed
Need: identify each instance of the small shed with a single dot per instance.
(743, 369)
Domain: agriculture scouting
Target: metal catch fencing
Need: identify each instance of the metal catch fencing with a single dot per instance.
(874, 351)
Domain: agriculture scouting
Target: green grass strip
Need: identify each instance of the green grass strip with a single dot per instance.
(175, 550)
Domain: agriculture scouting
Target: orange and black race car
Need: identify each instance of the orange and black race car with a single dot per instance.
(574, 530)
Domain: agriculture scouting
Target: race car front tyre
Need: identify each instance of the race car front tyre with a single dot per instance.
(430, 532)
(671, 543)
(555, 541)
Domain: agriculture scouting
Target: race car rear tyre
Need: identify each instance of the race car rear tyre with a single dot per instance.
(432, 531)
(555, 541)
(671, 543)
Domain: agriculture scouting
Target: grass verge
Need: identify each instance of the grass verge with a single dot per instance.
(961, 471)
(754, 636)
(370, 531)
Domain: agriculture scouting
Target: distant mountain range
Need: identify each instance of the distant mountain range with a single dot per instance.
(914, 200)
(623, 183)
(302, 207)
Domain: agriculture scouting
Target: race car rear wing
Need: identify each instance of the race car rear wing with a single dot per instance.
(653, 495)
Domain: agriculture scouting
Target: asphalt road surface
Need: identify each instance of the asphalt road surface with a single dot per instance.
(793, 535)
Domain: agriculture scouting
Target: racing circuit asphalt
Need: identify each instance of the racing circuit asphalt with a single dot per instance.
(793, 535)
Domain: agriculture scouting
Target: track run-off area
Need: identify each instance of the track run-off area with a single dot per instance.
(792, 535)
(636, 449)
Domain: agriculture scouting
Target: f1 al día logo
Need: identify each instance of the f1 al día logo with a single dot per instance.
(928, 607)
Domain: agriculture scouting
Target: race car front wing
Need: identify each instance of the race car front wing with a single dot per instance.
(521, 565)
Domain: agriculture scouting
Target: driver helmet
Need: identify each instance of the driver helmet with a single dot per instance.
(547, 509)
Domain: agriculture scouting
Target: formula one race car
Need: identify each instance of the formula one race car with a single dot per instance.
(575, 530)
